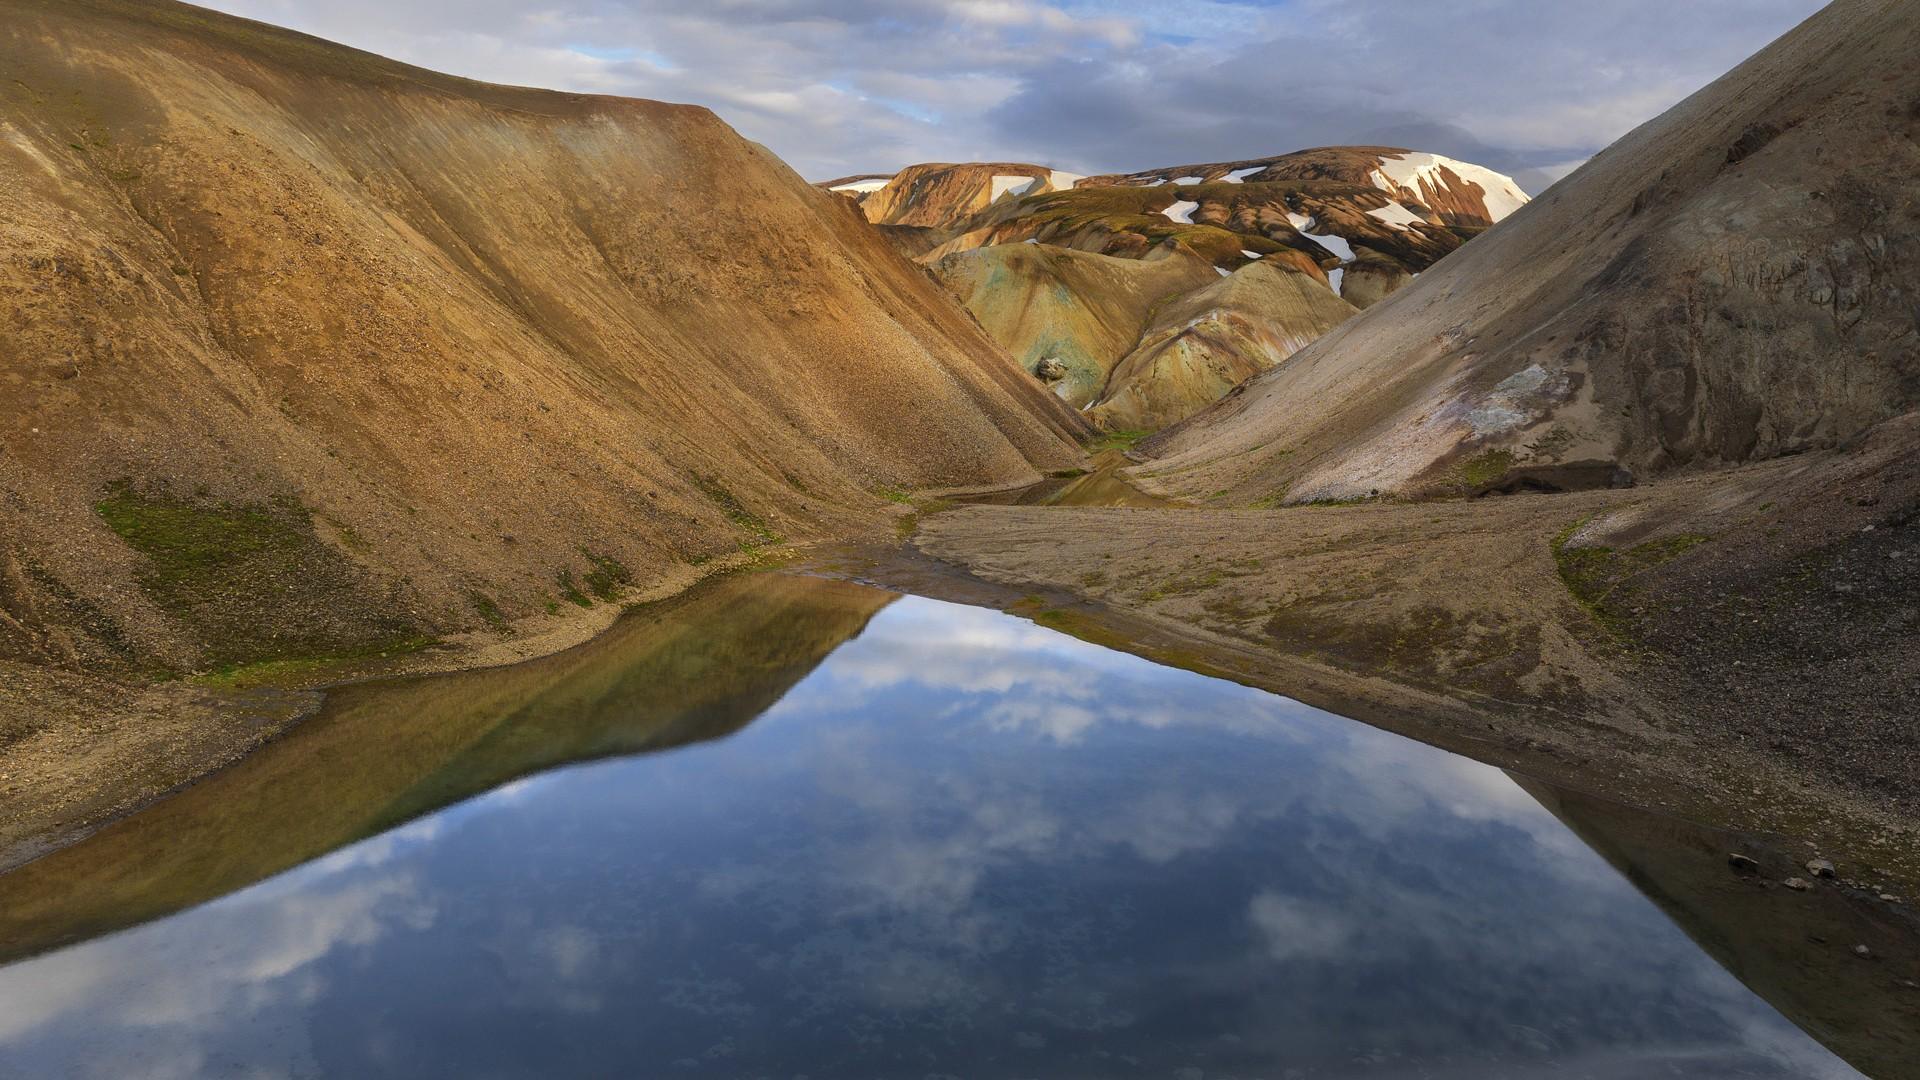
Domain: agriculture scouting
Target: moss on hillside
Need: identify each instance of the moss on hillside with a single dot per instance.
(1601, 579)
(252, 583)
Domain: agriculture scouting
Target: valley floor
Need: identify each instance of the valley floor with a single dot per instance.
(1740, 647)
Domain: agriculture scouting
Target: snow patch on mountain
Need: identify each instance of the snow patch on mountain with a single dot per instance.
(1181, 211)
(1396, 215)
(1336, 244)
(864, 187)
(1500, 193)
(1019, 185)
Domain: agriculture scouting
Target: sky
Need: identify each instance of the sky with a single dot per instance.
(839, 87)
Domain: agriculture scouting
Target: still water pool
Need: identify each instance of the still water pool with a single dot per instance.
(792, 827)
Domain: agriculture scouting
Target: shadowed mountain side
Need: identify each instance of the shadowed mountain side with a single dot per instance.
(1732, 281)
(1793, 947)
(697, 667)
(312, 352)
(1067, 316)
(1207, 342)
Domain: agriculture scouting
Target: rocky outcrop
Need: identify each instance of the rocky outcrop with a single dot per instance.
(310, 352)
(1733, 281)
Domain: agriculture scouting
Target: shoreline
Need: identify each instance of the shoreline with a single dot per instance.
(1571, 752)
(105, 771)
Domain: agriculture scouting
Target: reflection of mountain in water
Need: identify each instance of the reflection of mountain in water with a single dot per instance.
(697, 667)
(1795, 949)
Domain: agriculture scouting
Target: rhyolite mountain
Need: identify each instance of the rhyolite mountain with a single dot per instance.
(1357, 223)
(311, 353)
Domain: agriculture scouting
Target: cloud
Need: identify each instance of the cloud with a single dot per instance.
(847, 86)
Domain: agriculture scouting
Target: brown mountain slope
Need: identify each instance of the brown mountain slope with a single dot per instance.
(309, 352)
(1733, 281)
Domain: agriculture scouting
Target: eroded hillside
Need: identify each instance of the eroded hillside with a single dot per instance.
(312, 354)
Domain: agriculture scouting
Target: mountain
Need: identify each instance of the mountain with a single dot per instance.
(1388, 212)
(1355, 223)
(312, 353)
(1203, 344)
(1136, 344)
(1439, 188)
(1067, 316)
(1733, 281)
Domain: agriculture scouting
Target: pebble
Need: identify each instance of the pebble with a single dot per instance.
(1798, 884)
(1742, 865)
(1820, 868)
(1862, 951)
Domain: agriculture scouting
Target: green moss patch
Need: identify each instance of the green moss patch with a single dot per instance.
(1116, 440)
(252, 583)
(1602, 579)
(570, 590)
(607, 577)
(761, 534)
(1484, 468)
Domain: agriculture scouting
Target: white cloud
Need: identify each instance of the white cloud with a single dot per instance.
(850, 86)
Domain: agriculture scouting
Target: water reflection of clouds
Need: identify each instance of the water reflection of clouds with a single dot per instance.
(140, 1003)
(957, 815)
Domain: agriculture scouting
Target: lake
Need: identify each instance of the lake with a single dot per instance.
(787, 827)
